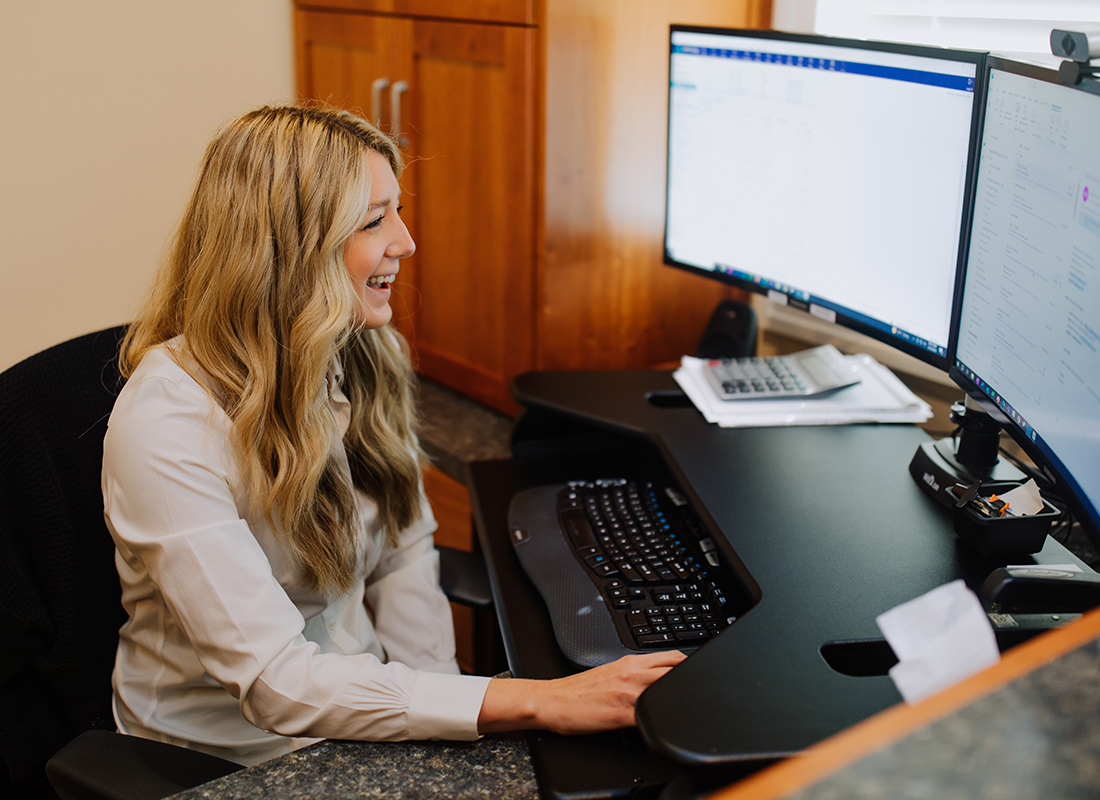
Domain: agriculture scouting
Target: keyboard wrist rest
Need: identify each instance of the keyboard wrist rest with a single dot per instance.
(579, 613)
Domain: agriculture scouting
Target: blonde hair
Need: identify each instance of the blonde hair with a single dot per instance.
(257, 286)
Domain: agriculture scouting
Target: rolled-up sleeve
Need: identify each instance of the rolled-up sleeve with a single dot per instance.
(205, 601)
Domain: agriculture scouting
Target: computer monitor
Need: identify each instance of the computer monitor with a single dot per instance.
(1029, 310)
(830, 174)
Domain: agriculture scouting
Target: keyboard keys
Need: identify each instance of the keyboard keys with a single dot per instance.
(650, 564)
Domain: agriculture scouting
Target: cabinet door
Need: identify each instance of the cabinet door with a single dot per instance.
(468, 117)
(516, 12)
(340, 56)
(463, 96)
(350, 61)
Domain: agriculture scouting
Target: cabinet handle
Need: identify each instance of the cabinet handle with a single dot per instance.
(376, 90)
(398, 89)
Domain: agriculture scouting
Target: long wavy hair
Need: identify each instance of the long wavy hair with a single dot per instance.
(257, 286)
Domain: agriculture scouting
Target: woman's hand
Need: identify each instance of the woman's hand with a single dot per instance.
(599, 699)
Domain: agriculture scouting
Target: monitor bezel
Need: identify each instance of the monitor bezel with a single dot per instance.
(977, 58)
(1047, 462)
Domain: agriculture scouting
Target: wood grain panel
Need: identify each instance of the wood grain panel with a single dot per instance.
(377, 6)
(536, 185)
(605, 298)
(339, 56)
(471, 141)
(450, 503)
(517, 12)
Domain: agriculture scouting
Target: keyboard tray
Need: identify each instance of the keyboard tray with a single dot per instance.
(607, 599)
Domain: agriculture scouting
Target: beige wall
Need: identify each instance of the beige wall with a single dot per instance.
(107, 107)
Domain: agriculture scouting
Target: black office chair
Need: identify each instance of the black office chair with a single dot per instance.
(59, 592)
(60, 607)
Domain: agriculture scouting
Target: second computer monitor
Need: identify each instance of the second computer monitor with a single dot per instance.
(1029, 320)
(831, 174)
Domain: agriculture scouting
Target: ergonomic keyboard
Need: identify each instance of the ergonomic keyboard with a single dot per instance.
(623, 567)
(810, 373)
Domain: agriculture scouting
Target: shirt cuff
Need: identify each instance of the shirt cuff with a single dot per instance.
(446, 706)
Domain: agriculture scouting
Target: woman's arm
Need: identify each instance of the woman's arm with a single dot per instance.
(411, 615)
(598, 699)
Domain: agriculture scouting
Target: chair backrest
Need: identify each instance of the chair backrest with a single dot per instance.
(60, 607)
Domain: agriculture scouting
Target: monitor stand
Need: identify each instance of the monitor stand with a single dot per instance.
(973, 456)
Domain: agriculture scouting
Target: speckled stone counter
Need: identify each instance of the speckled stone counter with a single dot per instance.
(456, 431)
(1037, 738)
(494, 767)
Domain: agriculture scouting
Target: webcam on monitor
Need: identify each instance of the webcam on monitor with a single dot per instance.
(1078, 49)
(1081, 47)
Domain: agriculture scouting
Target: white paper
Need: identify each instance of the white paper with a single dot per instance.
(879, 397)
(940, 638)
(1024, 500)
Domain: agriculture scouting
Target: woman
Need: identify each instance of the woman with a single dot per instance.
(261, 475)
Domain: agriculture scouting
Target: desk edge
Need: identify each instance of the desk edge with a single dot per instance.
(896, 722)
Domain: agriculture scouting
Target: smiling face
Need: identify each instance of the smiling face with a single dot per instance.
(381, 240)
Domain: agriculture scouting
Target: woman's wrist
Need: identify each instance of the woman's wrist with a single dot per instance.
(598, 699)
(510, 704)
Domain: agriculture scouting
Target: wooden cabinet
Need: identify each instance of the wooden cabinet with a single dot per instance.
(461, 96)
(535, 187)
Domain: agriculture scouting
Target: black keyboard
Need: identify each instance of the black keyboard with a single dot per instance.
(623, 567)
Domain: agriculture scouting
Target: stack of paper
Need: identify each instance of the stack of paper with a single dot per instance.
(878, 397)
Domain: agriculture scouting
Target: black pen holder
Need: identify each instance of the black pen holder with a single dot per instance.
(997, 536)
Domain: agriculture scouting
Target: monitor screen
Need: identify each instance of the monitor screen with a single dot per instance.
(830, 174)
(1029, 309)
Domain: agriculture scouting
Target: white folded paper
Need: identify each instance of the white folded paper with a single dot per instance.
(879, 397)
(1024, 500)
(940, 638)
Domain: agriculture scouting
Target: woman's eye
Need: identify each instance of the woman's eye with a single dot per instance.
(374, 223)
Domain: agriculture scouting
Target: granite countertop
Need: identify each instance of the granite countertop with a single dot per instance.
(456, 431)
(497, 766)
(1035, 738)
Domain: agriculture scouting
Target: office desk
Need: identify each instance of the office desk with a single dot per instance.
(831, 531)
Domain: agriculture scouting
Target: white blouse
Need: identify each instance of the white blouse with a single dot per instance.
(225, 650)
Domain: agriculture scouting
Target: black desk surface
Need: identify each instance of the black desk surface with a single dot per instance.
(829, 525)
